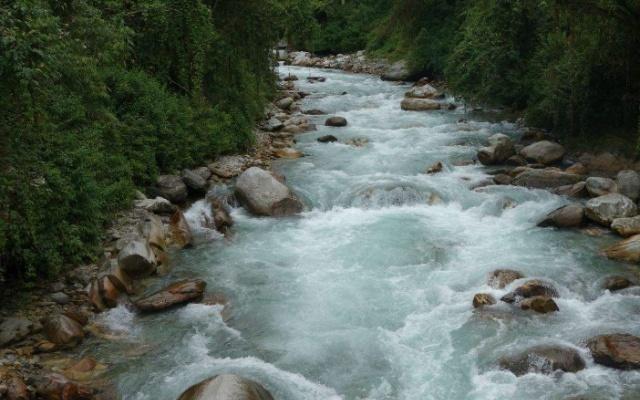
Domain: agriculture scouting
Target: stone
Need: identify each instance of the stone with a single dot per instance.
(499, 150)
(172, 188)
(620, 350)
(60, 298)
(181, 235)
(578, 169)
(545, 179)
(203, 172)
(627, 250)
(626, 227)
(57, 387)
(226, 387)
(600, 186)
(314, 112)
(412, 104)
(327, 139)
(483, 299)
(229, 166)
(529, 289)
(435, 168)
(289, 78)
(177, 293)
(578, 190)
(314, 79)
(604, 163)
(262, 194)
(158, 205)
(397, 71)
(63, 331)
(629, 184)
(336, 121)
(516, 161)
(500, 278)
(14, 385)
(285, 103)
(14, 329)
(539, 304)
(615, 283)
(195, 182)
(543, 152)
(545, 360)
(137, 259)
(605, 209)
(502, 179)
(425, 91)
(95, 298)
(569, 216)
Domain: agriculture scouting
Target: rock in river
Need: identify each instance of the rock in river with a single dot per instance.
(483, 299)
(539, 304)
(605, 209)
(499, 150)
(412, 104)
(181, 235)
(569, 216)
(544, 359)
(614, 283)
(336, 121)
(177, 293)
(543, 152)
(327, 139)
(226, 387)
(262, 194)
(621, 351)
(502, 277)
(530, 288)
(626, 227)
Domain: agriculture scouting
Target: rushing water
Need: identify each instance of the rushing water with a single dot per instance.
(367, 294)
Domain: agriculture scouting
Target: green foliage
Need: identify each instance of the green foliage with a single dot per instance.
(99, 97)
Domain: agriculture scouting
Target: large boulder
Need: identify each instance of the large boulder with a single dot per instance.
(172, 188)
(545, 360)
(194, 181)
(62, 330)
(137, 259)
(569, 216)
(531, 288)
(499, 150)
(629, 184)
(177, 293)
(621, 351)
(605, 209)
(597, 186)
(626, 227)
(425, 91)
(226, 387)
(543, 152)
(262, 194)
(502, 277)
(627, 250)
(336, 121)
(413, 104)
(545, 179)
(397, 71)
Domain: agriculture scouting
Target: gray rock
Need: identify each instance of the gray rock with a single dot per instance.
(172, 188)
(336, 121)
(327, 139)
(544, 359)
(137, 259)
(158, 205)
(262, 194)
(423, 92)
(226, 387)
(285, 103)
(15, 329)
(569, 216)
(543, 152)
(272, 124)
(194, 181)
(500, 149)
(204, 172)
(626, 226)
(605, 209)
(629, 184)
(600, 186)
(545, 179)
(229, 166)
(412, 104)
(397, 71)
(60, 298)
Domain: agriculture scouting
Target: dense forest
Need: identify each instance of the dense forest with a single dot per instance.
(99, 97)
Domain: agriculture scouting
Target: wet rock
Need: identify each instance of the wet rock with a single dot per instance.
(425, 91)
(411, 104)
(314, 112)
(543, 152)
(229, 166)
(605, 209)
(435, 168)
(614, 283)
(627, 250)
(13, 385)
(336, 121)
(195, 182)
(285, 103)
(95, 298)
(262, 194)
(502, 179)
(621, 351)
(63, 331)
(545, 179)
(604, 162)
(158, 205)
(545, 360)
(499, 150)
(327, 139)
(539, 304)
(569, 216)
(600, 186)
(628, 182)
(397, 71)
(181, 235)
(483, 299)
(14, 329)
(626, 227)
(60, 298)
(502, 277)
(578, 190)
(221, 218)
(314, 79)
(529, 289)
(172, 188)
(137, 259)
(226, 387)
(357, 142)
(177, 293)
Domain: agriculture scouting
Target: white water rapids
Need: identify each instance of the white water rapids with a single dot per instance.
(367, 294)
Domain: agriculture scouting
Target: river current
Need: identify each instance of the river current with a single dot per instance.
(367, 294)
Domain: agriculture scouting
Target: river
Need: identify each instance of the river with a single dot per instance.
(367, 294)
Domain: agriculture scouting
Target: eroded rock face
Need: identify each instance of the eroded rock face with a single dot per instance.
(569, 216)
(262, 194)
(605, 209)
(500, 149)
(544, 359)
(336, 121)
(543, 152)
(137, 259)
(621, 351)
(413, 104)
(626, 227)
(63, 331)
(177, 293)
(627, 250)
(483, 299)
(600, 186)
(172, 188)
(530, 288)
(226, 387)
(545, 179)
(502, 277)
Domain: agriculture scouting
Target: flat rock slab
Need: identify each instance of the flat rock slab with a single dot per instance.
(177, 293)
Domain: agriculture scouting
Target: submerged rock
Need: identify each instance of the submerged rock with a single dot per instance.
(614, 283)
(226, 387)
(262, 194)
(177, 293)
(605, 209)
(545, 360)
(621, 351)
(543, 152)
(539, 304)
(569, 216)
(502, 277)
(336, 121)
(483, 299)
